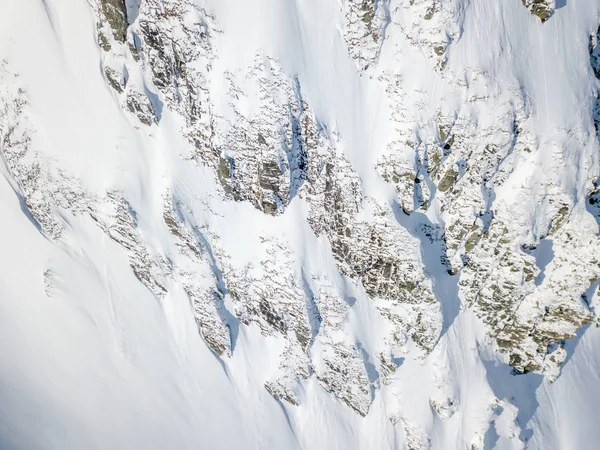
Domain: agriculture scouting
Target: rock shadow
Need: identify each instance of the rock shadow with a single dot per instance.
(433, 252)
(518, 390)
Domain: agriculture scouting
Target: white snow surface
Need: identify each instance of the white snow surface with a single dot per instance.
(91, 359)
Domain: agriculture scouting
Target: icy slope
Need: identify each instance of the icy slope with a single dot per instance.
(299, 224)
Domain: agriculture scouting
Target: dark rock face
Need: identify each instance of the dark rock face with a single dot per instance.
(594, 49)
(264, 158)
(593, 195)
(115, 14)
(544, 9)
(140, 105)
(281, 151)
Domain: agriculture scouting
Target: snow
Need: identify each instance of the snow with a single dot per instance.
(92, 359)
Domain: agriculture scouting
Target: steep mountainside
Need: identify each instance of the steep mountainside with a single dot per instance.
(299, 224)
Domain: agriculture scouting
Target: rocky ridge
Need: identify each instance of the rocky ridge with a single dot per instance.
(544, 9)
(160, 54)
(458, 164)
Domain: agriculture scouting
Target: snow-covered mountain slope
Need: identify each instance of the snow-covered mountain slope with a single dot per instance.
(316, 224)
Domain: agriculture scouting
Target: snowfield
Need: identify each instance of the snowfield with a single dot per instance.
(311, 224)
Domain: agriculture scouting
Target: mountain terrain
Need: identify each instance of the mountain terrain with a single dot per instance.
(299, 224)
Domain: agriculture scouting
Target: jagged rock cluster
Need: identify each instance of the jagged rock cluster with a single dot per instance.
(459, 164)
(159, 54)
(364, 28)
(593, 195)
(267, 157)
(35, 178)
(430, 25)
(376, 251)
(264, 156)
(544, 9)
(306, 160)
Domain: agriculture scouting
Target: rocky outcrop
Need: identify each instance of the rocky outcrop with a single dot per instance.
(263, 157)
(431, 26)
(200, 274)
(543, 9)
(364, 29)
(112, 26)
(140, 105)
(44, 189)
(593, 193)
(452, 161)
(375, 251)
(458, 164)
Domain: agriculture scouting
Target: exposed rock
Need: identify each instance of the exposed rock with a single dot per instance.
(113, 22)
(450, 161)
(141, 106)
(199, 263)
(116, 80)
(342, 374)
(45, 189)
(121, 225)
(264, 157)
(462, 164)
(175, 46)
(431, 26)
(341, 368)
(593, 193)
(544, 9)
(375, 250)
(364, 31)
